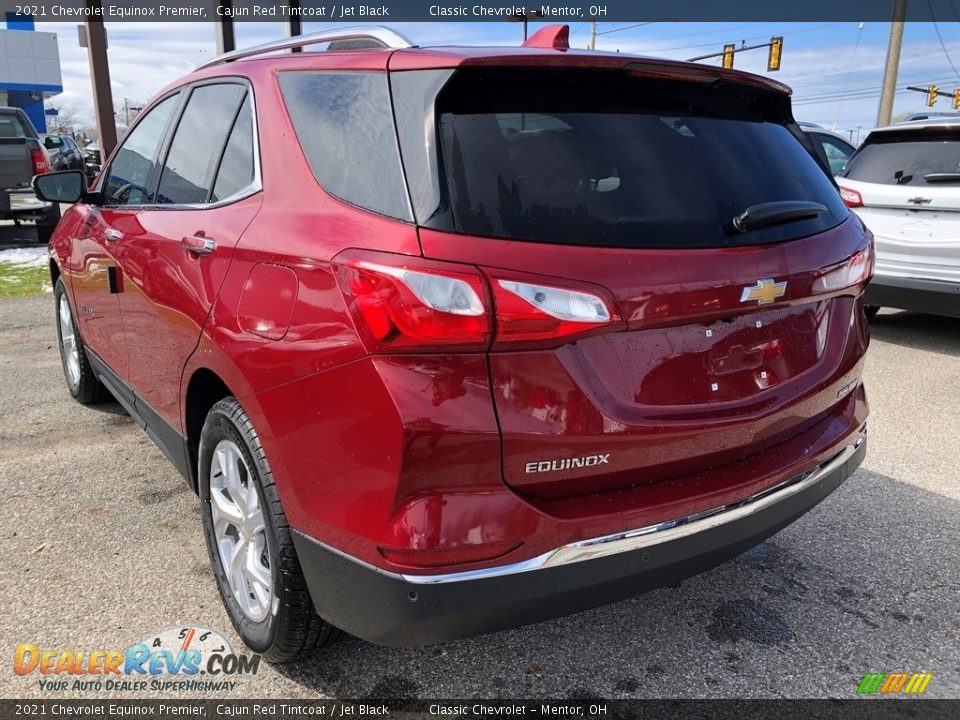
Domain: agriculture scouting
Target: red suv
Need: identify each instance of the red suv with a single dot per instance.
(450, 340)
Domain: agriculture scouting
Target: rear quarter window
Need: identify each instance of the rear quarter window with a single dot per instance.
(344, 122)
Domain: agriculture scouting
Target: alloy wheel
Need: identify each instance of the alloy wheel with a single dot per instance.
(239, 530)
(68, 341)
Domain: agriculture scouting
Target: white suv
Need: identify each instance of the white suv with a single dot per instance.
(904, 182)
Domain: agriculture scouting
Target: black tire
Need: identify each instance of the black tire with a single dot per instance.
(871, 311)
(83, 384)
(47, 224)
(292, 629)
(45, 233)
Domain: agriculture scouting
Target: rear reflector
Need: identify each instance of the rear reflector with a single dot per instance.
(447, 556)
(851, 198)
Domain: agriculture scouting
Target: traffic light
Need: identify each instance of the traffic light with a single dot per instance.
(728, 56)
(931, 95)
(776, 50)
(956, 99)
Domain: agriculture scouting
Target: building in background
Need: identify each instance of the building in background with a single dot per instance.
(29, 68)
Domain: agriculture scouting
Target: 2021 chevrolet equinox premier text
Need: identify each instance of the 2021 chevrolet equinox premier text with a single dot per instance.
(450, 340)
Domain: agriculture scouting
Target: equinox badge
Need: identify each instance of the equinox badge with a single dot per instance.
(765, 291)
(567, 463)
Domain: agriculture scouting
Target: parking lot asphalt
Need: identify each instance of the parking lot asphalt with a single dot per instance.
(102, 545)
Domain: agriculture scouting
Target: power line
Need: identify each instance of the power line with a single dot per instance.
(854, 95)
(636, 25)
(940, 38)
(846, 78)
(729, 31)
(828, 92)
(697, 34)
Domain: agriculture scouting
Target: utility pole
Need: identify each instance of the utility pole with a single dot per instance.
(593, 34)
(100, 77)
(893, 63)
(226, 39)
(525, 17)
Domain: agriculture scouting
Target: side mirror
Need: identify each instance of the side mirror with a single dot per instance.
(60, 187)
(51, 142)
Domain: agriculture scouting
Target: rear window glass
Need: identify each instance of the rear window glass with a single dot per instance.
(344, 122)
(893, 158)
(11, 127)
(609, 159)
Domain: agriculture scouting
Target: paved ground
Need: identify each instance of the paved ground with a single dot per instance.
(101, 544)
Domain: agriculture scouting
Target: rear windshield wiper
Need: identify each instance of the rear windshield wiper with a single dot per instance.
(775, 213)
(942, 177)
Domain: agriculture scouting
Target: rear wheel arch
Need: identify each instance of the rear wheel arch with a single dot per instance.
(204, 390)
(54, 272)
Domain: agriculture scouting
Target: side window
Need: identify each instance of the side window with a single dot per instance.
(201, 134)
(236, 166)
(344, 122)
(132, 173)
(837, 154)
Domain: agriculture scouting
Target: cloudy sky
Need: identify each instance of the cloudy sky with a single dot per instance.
(835, 68)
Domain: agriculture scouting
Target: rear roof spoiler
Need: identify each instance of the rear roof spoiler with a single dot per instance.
(552, 37)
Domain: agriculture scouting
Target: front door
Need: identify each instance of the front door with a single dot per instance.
(176, 251)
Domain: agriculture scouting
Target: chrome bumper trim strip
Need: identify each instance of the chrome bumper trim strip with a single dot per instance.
(655, 534)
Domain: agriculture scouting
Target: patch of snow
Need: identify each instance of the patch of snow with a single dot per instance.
(25, 257)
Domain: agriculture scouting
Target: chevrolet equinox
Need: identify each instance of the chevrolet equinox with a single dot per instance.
(450, 340)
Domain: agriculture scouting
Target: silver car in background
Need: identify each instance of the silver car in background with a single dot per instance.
(904, 183)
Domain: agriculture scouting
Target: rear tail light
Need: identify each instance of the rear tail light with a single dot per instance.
(409, 304)
(533, 312)
(851, 198)
(399, 308)
(39, 160)
(856, 271)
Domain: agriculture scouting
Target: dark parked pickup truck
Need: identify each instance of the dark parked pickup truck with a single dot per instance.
(21, 157)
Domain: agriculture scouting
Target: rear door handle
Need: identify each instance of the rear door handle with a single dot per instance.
(198, 244)
(112, 234)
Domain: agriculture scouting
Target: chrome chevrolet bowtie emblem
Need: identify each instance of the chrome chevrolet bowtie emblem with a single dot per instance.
(765, 291)
(919, 200)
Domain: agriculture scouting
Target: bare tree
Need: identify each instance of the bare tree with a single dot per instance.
(66, 117)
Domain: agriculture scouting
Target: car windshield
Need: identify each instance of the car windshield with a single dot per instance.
(606, 159)
(916, 157)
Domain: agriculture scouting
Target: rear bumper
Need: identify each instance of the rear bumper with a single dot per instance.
(394, 609)
(22, 203)
(927, 296)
